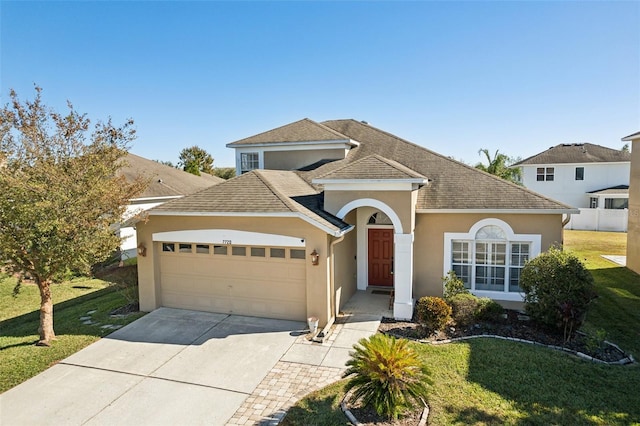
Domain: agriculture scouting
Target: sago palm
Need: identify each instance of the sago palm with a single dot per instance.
(387, 374)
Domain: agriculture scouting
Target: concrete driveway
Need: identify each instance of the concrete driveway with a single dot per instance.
(169, 367)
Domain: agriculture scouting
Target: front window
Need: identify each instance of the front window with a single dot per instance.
(249, 161)
(544, 174)
(490, 265)
(491, 259)
(519, 256)
(593, 202)
(579, 173)
(461, 261)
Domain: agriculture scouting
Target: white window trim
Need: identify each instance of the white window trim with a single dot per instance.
(228, 237)
(535, 241)
(260, 161)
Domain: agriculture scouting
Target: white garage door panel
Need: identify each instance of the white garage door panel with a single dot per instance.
(273, 288)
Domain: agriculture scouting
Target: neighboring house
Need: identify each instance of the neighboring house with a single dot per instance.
(364, 209)
(165, 183)
(633, 232)
(591, 177)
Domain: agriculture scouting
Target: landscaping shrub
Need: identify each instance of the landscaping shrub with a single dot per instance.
(387, 374)
(488, 310)
(452, 286)
(464, 307)
(433, 313)
(558, 290)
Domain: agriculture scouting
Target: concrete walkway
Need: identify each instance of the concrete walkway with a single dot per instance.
(309, 366)
(620, 260)
(185, 367)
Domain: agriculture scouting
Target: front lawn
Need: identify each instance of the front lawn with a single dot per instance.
(19, 320)
(617, 308)
(487, 381)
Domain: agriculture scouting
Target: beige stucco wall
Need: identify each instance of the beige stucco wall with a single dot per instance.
(633, 231)
(317, 277)
(346, 264)
(292, 160)
(402, 202)
(429, 241)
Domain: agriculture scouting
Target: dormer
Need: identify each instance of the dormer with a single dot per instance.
(291, 147)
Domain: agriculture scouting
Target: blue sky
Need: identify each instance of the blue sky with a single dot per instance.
(451, 76)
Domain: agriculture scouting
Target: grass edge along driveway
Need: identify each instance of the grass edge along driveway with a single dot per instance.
(73, 299)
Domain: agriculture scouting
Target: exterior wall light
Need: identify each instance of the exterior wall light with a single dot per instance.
(142, 250)
(315, 258)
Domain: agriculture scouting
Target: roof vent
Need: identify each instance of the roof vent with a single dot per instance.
(159, 180)
(364, 122)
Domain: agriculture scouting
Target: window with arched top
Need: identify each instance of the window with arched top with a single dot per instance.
(490, 257)
(491, 232)
(379, 218)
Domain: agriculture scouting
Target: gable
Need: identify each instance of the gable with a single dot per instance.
(304, 130)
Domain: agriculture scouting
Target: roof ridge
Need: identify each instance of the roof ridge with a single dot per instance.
(306, 119)
(451, 160)
(388, 161)
(335, 132)
(596, 150)
(395, 164)
(285, 200)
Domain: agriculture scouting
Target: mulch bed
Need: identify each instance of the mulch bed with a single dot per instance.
(515, 325)
(368, 417)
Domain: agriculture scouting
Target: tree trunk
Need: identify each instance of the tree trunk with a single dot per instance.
(46, 313)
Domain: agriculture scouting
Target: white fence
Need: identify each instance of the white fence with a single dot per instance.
(599, 220)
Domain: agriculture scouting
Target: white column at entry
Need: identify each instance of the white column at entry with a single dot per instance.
(403, 276)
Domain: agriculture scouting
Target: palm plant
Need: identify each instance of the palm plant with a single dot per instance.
(499, 166)
(387, 374)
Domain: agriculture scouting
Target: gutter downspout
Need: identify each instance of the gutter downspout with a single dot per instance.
(565, 221)
(332, 268)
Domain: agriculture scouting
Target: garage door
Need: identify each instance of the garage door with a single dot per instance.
(243, 280)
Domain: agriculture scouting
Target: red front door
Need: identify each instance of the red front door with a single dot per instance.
(381, 257)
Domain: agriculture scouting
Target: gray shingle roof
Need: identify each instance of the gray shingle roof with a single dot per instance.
(304, 130)
(577, 153)
(373, 167)
(164, 181)
(452, 185)
(379, 155)
(619, 189)
(259, 191)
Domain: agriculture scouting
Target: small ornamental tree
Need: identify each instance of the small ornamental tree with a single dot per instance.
(196, 160)
(433, 313)
(60, 194)
(225, 173)
(387, 374)
(558, 289)
(453, 286)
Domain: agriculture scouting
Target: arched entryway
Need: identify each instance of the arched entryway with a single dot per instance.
(380, 235)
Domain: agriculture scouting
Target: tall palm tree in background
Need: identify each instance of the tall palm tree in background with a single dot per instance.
(499, 166)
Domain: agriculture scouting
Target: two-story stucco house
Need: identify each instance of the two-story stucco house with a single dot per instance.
(591, 177)
(323, 210)
(633, 233)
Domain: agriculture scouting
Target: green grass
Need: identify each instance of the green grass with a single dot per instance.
(617, 308)
(19, 320)
(495, 382)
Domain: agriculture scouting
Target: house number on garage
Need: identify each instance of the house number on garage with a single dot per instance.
(227, 242)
